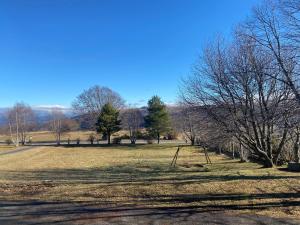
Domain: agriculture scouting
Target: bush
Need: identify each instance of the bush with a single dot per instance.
(117, 140)
(104, 137)
(172, 136)
(150, 141)
(30, 140)
(92, 138)
(140, 135)
(125, 136)
(8, 141)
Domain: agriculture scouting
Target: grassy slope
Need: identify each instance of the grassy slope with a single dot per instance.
(142, 176)
(45, 136)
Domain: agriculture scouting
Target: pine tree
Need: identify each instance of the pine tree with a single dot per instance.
(157, 121)
(108, 122)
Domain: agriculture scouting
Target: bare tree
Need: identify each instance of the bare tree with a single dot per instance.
(58, 124)
(232, 83)
(21, 120)
(187, 121)
(132, 120)
(294, 131)
(290, 12)
(90, 102)
(275, 27)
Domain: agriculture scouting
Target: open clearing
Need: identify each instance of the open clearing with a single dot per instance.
(47, 136)
(126, 184)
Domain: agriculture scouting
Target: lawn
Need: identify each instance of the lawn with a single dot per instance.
(6, 148)
(141, 176)
(47, 136)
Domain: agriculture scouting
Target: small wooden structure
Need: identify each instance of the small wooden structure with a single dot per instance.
(173, 163)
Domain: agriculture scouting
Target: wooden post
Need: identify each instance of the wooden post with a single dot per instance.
(206, 156)
(173, 163)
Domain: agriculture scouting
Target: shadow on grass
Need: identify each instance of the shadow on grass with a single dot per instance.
(14, 212)
(104, 145)
(177, 207)
(129, 175)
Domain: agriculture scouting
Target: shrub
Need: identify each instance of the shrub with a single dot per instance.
(92, 138)
(125, 136)
(172, 136)
(117, 140)
(104, 137)
(8, 141)
(150, 141)
(140, 135)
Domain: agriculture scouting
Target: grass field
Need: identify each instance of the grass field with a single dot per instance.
(6, 148)
(141, 175)
(47, 136)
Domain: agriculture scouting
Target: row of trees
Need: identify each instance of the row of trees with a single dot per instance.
(247, 89)
(101, 109)
(105, 112)
(105, 109)
(22, 119)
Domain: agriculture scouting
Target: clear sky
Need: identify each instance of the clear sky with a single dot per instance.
(51, 50)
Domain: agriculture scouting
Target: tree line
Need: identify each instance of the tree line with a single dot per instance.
(98, 108)
(105, 111)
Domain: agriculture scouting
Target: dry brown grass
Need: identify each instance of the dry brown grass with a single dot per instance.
(124, 175)
(45, 136)
(5, 148)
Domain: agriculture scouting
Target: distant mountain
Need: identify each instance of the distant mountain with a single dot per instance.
(43, 113)
(3, 112)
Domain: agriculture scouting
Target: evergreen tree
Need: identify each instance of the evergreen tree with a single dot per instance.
(108, 122)
(157, 121)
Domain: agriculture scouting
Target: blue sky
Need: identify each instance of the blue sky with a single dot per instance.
(51, 50)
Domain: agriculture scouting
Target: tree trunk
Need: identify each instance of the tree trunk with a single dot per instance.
(192, 141)
(158, 138)
(132, 138)
(17, 136)
(296, 148)
(108, 138)
(268, 163)
(242, 153)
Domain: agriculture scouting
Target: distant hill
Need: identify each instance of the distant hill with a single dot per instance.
(43, 114)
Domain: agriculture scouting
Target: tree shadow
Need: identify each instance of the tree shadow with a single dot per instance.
(178, 207)
(68, 212)
(130, 174)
